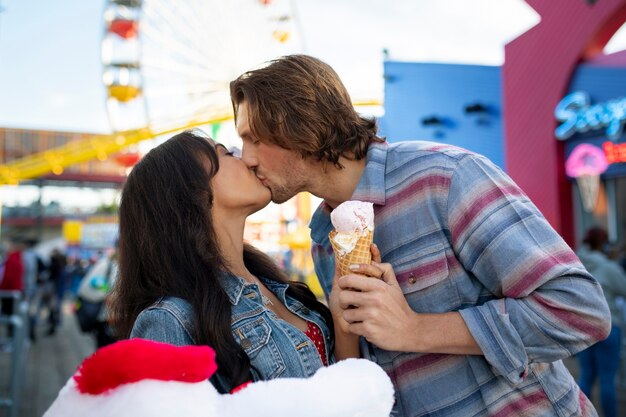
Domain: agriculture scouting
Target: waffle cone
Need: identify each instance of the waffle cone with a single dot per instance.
(361, 253)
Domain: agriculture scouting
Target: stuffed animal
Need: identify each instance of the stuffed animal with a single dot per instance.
(142, 378)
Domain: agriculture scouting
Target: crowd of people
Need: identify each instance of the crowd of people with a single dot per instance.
(44, 282)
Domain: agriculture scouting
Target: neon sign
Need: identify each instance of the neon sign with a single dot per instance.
(579, 116)
(614, 152)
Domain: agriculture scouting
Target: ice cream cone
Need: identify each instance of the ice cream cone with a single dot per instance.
(361, 253)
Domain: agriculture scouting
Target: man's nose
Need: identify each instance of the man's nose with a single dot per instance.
(248, 157)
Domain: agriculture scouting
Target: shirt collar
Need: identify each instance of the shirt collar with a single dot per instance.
(371, 188)
(320, 223)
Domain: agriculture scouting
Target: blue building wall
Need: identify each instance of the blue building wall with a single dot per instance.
(417, 91)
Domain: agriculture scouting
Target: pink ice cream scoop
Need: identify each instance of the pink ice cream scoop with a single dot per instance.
(353, 216)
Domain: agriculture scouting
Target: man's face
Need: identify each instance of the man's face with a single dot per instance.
(283, 171)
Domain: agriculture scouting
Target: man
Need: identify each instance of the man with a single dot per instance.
(480, 298)
(12, 280)
(30, 261)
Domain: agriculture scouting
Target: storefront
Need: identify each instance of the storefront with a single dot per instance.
(508, 113)
(540, 68)
(590, 123)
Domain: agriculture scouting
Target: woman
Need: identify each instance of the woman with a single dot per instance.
(602, 360)
(186, 276)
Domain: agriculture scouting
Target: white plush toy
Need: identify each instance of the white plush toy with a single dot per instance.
(141, 378)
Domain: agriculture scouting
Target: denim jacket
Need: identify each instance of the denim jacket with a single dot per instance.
(275, 347)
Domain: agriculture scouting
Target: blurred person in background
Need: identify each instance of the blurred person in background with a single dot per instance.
(29, 259)
(12, 278)
(56, 279)
(95, 287)
(31, 273)
(602, 360)
(187, 277)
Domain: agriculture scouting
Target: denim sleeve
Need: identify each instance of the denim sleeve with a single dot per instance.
(161, 325)
(545, 306)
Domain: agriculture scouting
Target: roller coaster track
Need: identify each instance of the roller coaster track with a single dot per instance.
(54, 160)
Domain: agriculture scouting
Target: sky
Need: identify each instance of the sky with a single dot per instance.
(51, 73)
(50, 58)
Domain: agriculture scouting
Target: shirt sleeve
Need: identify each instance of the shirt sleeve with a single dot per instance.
(544, 306)
(160, 325)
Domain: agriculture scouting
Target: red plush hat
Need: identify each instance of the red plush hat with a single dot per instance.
(135, 360)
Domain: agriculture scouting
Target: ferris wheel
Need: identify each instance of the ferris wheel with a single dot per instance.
(167, 64)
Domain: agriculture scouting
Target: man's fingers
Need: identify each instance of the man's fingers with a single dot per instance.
(387, 273)
(359, 283)
(369, 270)
(375, 253)
(358, 329)
(350, 299)
(354, 315)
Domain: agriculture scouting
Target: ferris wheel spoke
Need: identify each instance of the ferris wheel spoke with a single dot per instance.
(203, 104)
(194, 100)
(250, 23)
(177, 49)
(186, 89)
(171, 27)
(185, 120)
(206, 34)
(202, 26)
(160, 69)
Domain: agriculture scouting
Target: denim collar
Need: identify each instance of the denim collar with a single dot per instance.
(234, 285)
(371, 188)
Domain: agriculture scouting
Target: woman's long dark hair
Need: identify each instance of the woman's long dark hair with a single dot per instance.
(168, 247)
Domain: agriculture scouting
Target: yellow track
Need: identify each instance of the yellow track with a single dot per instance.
(97, 147)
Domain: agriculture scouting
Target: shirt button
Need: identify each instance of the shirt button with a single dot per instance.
(305, 310)
(412, 279)
(246, 344)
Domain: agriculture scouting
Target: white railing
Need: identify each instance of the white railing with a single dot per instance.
(15, 327)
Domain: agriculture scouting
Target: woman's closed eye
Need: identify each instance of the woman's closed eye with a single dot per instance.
(232, 151)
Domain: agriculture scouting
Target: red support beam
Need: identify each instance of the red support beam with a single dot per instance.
(537, 71)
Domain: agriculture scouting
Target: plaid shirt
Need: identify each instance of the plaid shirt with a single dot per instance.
(461, 236)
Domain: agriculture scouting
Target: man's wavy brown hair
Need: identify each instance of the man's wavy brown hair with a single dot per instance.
(299, 103)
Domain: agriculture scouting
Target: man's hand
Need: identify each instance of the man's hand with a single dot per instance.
(346, 342)
(334, 297)
(374, 306)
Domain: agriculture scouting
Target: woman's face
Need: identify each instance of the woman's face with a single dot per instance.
(235, 187)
